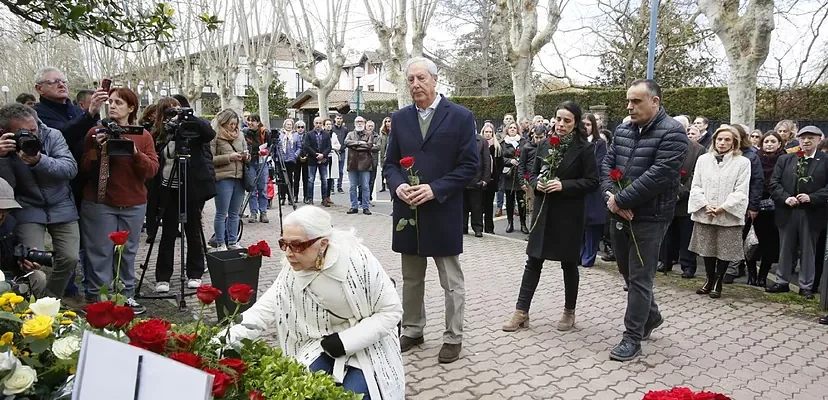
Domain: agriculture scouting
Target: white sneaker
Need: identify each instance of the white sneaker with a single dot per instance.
(194, 283)
(220, 248)
(162, 287)
(136, 308)
(234, 246)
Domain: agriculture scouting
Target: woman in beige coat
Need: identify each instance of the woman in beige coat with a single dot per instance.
(230, 154)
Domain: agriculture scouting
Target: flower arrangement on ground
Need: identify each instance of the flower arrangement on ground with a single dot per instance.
(683, 393)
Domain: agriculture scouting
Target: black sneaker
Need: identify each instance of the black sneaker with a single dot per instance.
(808, 294)
(651, 325)
(729, 279)
(340, 191)
(136, 308)
(778, 288)
(687, 274)
(625, 351)
(352, 211)
(367, 212)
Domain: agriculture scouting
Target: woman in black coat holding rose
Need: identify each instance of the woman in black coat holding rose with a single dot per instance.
(558, 222)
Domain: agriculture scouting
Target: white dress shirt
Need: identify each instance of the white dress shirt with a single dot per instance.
(425, 113)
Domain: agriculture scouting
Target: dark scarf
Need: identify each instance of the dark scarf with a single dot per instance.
(768, 164)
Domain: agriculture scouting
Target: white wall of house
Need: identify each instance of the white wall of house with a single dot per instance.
(375, 79)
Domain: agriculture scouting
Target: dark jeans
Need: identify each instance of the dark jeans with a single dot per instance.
(354, 379)
(511, 197)
(341, 171)
(592, 241)
(372, 177)
(488, 208)
(676, 245)
(303, 171)
(641, 305)
(472, 204)
(531, 277)
(167, 252)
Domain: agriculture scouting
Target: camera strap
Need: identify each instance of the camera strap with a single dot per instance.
(103, 175)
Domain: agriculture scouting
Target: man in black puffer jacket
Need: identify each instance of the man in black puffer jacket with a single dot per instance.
(648, 151)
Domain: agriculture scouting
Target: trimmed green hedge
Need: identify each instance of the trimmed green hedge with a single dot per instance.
(712, 102)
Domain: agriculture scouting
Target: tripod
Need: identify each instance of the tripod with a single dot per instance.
(282, 179)
(179, 169)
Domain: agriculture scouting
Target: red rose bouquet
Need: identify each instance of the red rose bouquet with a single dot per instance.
(683, 393)
(259, 249)
(620, 183)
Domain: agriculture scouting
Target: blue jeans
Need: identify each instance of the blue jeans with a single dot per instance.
(341, 168)
(323, 177)
(354, 379)
(359, 178)
(501, 194)
(229, 198)
(258, 199)
(589, 247)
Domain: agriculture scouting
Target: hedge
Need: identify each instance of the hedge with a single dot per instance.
(712, 102)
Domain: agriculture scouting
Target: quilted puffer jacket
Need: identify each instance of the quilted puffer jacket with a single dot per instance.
(650, 159)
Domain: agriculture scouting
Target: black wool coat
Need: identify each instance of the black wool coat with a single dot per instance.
(558, 225)
(783, 185)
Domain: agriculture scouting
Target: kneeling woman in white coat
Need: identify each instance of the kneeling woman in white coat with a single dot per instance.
(333, 307)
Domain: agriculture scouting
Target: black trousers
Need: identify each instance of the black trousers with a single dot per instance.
(511, 197)
(473, 204)
(488, 208)
(302, 170)
(675, 246)
(293, 182)
(192, 232)
(531, 277)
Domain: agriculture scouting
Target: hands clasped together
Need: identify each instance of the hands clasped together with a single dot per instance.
(797, 200)
(415, 195)
(550, 186)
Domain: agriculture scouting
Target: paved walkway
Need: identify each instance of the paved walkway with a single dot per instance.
(747, 351)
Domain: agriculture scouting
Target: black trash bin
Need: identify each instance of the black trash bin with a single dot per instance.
(228, 268)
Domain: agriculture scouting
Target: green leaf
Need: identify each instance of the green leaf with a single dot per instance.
(5, 287)
(412, 222)
(401, 224)
(31, 362)
(39, 346)
(10, 317)
(76, 12)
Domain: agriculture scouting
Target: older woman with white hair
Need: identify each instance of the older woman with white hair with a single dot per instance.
(333, 307)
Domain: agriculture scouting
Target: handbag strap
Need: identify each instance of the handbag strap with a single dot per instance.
(103, 176)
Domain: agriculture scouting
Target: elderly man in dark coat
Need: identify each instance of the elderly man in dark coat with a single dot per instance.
(441, 138)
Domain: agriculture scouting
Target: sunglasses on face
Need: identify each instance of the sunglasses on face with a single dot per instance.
(297, 247)
(755, 136)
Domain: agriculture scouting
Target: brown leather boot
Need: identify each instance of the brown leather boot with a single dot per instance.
(326, 202)
(567, 320)
(517, 321)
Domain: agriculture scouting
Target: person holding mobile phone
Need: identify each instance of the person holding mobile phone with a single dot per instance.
(229, 159)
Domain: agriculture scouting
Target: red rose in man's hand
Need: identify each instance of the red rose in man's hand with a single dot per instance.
(207, 294)
(616, 175)
(119, 238)
(99, 315)
(240, 293)
(800, 153)
(187, 359)
(150, 335)
(122, 315)
(221, 381)
(407, 162)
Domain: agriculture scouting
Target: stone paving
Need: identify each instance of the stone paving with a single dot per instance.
(747, 351)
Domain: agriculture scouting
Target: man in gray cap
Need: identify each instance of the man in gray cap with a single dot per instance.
(16, 270)
(799, 187)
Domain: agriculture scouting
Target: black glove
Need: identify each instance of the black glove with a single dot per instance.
(333, 346)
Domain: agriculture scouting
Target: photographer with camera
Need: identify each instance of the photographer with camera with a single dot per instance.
(200, 182)
(36, 162)
(122, 157)
(16, 259)
(259, 138)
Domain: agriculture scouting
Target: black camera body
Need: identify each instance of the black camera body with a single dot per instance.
(116, 145)
(185, 126)
(23, 252)
(27, 142)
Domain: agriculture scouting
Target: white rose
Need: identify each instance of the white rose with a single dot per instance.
(46, 306)
(64, 348)
(21, 380)
(7, 361)
(2, 276)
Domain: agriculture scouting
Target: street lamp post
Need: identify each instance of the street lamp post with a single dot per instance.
(5, 90)
(359, 72)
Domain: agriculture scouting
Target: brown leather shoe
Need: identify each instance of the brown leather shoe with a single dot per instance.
(406, 343)
(567, 320)
(516, 321)
(499, 213)
(449, 353)
(75, 303)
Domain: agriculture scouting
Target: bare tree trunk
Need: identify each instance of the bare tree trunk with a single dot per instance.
(322, 100)
(263, 91)
(741, 89)
(522, 87)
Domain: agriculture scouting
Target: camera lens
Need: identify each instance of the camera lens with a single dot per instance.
(44, 258)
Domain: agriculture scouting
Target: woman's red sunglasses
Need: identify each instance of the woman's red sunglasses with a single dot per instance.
(297, 247)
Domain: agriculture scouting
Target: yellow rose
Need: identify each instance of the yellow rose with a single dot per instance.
(6, 338)
(3, 301)
(8, 295)
(40, 327)
(16, 300)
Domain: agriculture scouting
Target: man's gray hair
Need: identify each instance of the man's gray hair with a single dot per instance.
(430, 65)
(15, 111)
(40, 75)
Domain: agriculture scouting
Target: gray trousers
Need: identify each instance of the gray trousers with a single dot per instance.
(796, 236)
(99, 220)
(414, 312)
(65, 246)
(641, 305)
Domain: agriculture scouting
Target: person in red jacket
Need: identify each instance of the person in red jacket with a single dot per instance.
(117, 199)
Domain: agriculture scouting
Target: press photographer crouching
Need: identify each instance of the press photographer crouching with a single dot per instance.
(20, 268)
(178, 131)
(121, 156)
(37, 163)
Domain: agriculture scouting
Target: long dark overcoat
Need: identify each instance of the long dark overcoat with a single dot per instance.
(447, 160)
(596, 207)
(560, 221)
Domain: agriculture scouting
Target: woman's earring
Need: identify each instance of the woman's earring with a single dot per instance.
(320, 261)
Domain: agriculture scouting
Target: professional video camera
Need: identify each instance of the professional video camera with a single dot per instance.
(22, 252)
(116, 145)
(183, 127)
(27, 142)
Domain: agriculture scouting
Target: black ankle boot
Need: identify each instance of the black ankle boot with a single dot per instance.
(762, 276)
(510, 227)
(752, 277)
(710, 271)
(721, 269)
(523, 227)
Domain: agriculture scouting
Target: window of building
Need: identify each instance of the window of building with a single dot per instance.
(371, 69)
(370, 88)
